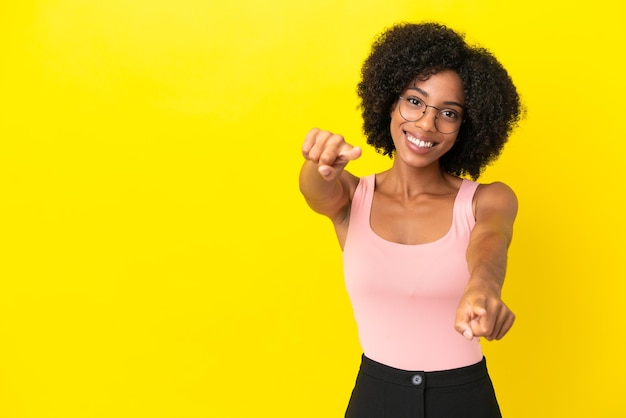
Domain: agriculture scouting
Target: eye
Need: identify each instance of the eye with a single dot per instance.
(450, 115)
(415, 102)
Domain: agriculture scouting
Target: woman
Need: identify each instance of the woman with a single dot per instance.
(424, 249)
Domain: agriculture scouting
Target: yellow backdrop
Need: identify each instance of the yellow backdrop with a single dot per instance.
(157, 259)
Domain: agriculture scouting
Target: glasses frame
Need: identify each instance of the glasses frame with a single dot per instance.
(426, 106)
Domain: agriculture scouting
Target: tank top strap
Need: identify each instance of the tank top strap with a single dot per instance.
(463, 205)
(362, 201)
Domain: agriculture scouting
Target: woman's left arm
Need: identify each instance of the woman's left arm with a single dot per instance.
(481, 312)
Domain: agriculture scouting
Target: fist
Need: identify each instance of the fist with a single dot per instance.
(329, 151)
(481, 314)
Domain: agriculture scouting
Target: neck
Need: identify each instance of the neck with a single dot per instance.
(410, 181)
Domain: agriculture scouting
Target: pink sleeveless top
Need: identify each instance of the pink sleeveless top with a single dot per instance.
(405, 297)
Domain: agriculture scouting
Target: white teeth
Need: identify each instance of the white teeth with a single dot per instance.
(419, 143)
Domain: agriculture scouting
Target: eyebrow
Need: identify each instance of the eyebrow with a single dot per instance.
(425, 94)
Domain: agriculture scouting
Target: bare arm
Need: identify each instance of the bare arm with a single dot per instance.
(324, 184)
(481, 312)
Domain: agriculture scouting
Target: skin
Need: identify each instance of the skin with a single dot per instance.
(413, 201)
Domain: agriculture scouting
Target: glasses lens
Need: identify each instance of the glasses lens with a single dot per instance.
(447, 121)
(411, 109)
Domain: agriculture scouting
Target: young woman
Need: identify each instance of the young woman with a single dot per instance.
(424, 248)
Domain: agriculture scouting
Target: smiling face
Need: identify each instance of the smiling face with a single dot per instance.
(420, 143)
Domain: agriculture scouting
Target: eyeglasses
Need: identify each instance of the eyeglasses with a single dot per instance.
(412, 109)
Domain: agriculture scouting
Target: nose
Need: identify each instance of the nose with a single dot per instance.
(427, 122)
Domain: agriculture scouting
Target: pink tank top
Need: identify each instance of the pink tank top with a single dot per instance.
(405, 297)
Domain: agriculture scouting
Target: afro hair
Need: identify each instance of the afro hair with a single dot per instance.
(406, 52)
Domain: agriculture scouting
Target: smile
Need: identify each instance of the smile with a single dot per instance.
(419, 143)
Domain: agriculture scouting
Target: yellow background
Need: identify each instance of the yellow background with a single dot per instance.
(157, 259)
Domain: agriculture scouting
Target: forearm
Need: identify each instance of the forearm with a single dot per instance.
(313, 186)
(487, 260)
(323, 196)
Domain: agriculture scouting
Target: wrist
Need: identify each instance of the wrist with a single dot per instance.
(484, 285)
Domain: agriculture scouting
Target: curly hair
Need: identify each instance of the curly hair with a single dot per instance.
(406, 52)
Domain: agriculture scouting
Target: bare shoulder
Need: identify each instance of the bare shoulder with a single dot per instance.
(495, 198)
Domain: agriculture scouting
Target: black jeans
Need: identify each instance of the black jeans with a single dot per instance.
(385, 392)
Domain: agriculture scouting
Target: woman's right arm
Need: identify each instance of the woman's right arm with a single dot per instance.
(324, 183)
